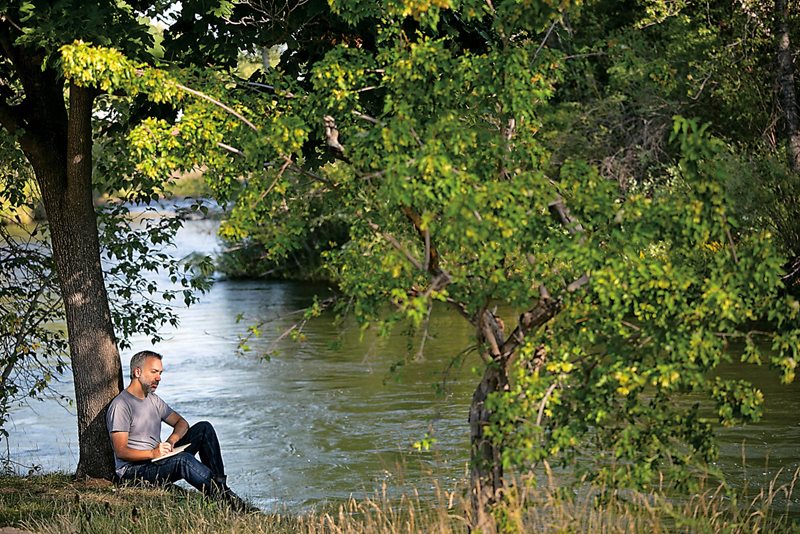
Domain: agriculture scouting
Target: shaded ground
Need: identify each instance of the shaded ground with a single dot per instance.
(57, 503)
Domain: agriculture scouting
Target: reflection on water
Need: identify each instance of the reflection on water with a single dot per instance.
(323, 419)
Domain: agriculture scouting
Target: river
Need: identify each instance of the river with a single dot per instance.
(325, 419)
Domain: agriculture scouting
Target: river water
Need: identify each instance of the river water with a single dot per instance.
(326, 419)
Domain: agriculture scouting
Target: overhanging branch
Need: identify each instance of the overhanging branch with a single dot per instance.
(396, 244)
(561, 212)
(547, 307)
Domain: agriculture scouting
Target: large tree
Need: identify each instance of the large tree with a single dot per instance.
(55, 133)
(51, 121)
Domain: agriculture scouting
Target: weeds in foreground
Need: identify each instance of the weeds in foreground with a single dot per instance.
(56, 504)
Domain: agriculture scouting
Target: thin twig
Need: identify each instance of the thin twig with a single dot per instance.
(702, 87)
(396, 244)
(286, 94)
(421, 352)
(730, 242)
(317, 177)
(547, 36)
(452, 362)
(580, 56)
(275, 181)
(5, 18)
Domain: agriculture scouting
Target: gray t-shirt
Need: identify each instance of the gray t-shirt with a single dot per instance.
(140, 418)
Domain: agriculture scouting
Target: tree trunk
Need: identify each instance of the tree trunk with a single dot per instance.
(786, 83)
(62, 160)
(486, 472)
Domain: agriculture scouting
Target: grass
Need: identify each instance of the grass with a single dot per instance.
(56, 504)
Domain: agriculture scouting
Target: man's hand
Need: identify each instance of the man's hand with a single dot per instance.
(162, 449)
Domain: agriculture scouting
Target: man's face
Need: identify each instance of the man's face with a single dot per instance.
(150, 375)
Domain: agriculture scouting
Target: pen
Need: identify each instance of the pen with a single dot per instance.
(158, 442)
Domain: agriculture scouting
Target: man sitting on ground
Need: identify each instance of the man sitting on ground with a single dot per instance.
(134, 422)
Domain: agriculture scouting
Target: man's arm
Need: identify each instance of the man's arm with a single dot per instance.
(179, 427)
(119, 440)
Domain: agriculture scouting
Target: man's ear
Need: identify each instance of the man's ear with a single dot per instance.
(137, 372)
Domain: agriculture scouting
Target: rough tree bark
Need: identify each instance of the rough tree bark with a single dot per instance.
(486, 465)
(786, 83)
(791, 113)
(58, 143)
(486, 472)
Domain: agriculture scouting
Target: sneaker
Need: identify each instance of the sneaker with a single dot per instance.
(236, 503)
(222, 492)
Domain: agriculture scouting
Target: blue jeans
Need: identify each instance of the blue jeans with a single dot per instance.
(184, 466)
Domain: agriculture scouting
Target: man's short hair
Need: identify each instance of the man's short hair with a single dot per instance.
(138, 359)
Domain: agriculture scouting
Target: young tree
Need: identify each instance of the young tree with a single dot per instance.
(626, 301)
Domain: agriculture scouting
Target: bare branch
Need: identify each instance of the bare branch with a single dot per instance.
(275, 181)
(702, 87)
(425, 333)
(5, 18)
(588, 54)
(544, 403)
(492, 333)
(579, 283)
(217, 103)
(427, 249)
(367, 118)
(229, 148)
(461, 309)
(317, 177)
(544, 310)
(417, 138)
(546, 37)
(286, 94)
(431, 254)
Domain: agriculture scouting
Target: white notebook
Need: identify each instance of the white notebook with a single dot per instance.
(176, 450)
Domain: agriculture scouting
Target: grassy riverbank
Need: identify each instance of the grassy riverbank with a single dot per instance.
(56, 504)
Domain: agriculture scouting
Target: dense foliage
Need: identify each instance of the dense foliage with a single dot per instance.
(520, 162)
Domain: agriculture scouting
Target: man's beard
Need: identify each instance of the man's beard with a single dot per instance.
(146, 387)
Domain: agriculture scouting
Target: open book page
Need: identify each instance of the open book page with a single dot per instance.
(176, 450)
